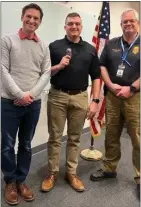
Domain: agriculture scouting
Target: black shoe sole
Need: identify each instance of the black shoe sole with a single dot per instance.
(101, 178)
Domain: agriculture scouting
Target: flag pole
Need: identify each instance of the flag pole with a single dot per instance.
(91, 154)
(101, 36)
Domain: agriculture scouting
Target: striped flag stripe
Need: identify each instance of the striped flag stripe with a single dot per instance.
(101, 35)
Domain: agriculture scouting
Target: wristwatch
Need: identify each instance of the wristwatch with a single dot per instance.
(96, 100)
(133, 89)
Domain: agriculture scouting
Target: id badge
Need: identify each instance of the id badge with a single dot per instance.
(120, 70)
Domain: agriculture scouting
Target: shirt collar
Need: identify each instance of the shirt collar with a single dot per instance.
(125, 42)
(24, 36)
(70, 42)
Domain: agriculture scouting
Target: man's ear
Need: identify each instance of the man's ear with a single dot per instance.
(40, 21)
(120, 24)
(21, 17)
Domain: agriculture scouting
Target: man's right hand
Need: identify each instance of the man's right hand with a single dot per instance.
(115, 88)
(26, 100)
(64, 62)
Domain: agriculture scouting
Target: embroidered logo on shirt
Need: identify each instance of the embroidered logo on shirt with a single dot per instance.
(116, 50)
(135, 50)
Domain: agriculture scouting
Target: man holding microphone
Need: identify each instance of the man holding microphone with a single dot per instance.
(73, 60)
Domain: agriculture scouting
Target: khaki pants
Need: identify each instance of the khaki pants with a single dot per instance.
(117, 111)
(62, 107)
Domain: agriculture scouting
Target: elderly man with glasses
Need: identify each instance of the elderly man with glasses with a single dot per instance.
(120, 69)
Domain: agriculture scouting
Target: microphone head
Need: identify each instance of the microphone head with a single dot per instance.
(69, 52)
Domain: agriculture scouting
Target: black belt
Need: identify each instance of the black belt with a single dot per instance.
(70, 92)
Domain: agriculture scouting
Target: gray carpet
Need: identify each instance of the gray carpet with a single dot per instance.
(119, 192)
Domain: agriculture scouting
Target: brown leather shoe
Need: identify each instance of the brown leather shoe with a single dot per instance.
(48, 183)
(25, 192)
(11, 195)
(74, 182)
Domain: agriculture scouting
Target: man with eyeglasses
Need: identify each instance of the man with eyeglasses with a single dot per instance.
(120, 69)
(72, 61)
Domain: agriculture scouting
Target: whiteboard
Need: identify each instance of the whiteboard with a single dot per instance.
(52, 26)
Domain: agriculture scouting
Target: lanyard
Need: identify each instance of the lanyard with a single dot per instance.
(125, 53)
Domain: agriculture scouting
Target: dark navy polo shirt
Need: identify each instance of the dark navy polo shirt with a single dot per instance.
(84, 62)
(111, 58)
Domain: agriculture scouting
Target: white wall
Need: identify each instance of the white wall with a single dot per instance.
(92, 8)
(116, 9)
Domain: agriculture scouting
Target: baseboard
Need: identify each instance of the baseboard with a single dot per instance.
(64, 138)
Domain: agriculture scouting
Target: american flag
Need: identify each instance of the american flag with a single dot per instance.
(101, 35)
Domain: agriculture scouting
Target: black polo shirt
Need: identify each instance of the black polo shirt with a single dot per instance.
(111, 58)
(84, 62)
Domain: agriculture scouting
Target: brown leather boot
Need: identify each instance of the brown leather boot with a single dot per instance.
(10, 194)
(25, 192)
(48, 183)
(74, 182)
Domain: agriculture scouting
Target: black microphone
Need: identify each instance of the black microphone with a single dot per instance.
(69, 52)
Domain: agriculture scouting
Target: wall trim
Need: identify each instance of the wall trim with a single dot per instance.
(64, 138)
(42, 147)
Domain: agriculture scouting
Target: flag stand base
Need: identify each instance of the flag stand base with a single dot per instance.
(91, 154)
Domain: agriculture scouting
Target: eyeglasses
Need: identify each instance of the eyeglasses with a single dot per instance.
(131, 21)
(72, 23)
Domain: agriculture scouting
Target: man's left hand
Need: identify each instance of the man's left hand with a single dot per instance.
(93, 109)
(124, 92)
(26, 100)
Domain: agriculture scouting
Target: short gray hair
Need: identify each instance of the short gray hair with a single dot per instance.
(130, 9)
